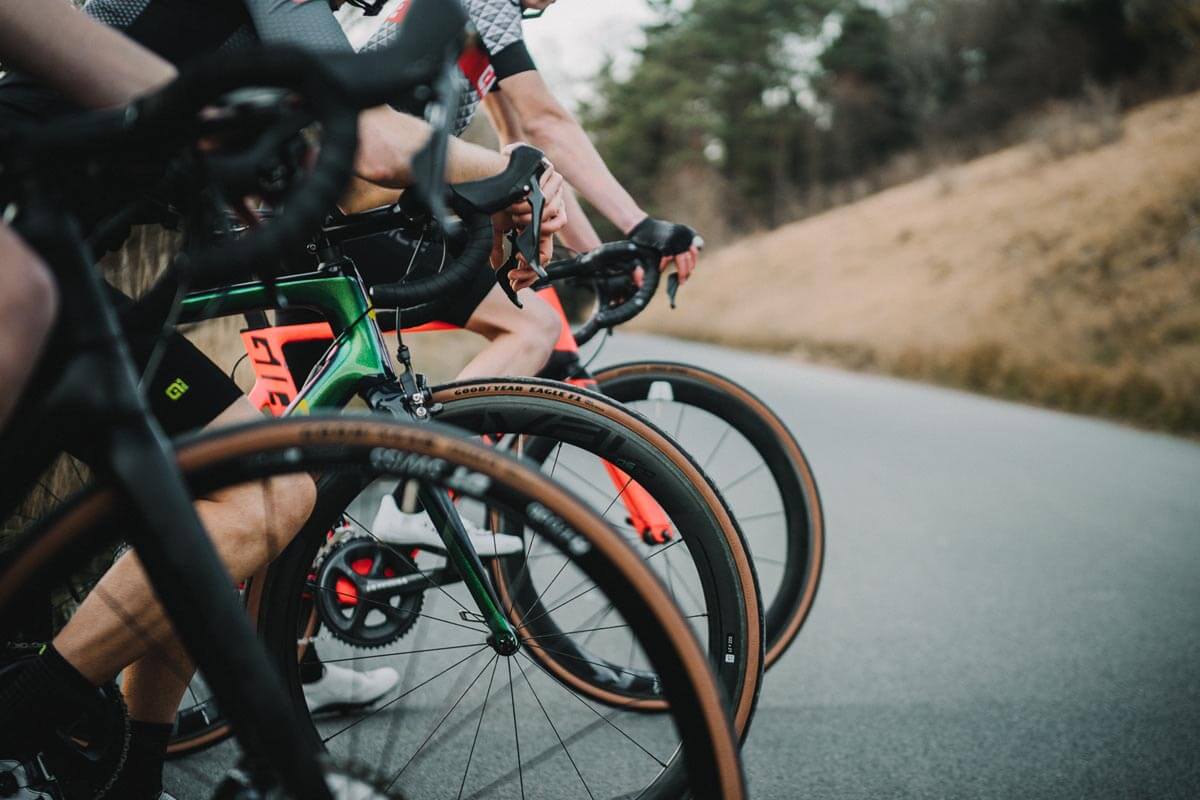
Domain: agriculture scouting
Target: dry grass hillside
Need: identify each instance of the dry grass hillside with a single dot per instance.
(1071, 281)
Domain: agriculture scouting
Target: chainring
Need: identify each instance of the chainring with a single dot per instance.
(351, 603)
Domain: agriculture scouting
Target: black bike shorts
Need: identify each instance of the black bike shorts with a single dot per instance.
(188, 390)
(384, 259)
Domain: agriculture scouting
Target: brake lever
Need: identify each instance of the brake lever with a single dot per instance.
(673, 283)
(502, 278)
(672, 288)
(527, 242)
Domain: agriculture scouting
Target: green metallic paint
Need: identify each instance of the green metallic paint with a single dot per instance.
(358, 354)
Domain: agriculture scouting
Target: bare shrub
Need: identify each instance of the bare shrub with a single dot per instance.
(1065, 128)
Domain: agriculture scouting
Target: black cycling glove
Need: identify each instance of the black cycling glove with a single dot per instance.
(667, 238)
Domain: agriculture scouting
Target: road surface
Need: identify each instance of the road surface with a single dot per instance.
(1010, 605)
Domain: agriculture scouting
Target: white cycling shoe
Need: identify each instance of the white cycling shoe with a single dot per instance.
(341, 689)
(395, 527)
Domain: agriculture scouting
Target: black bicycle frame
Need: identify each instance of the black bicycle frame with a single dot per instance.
(96, 389)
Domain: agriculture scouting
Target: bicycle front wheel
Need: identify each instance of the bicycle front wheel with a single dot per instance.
(760, 469)
(490, 753)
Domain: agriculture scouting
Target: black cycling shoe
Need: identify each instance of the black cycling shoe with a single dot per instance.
(79, 760)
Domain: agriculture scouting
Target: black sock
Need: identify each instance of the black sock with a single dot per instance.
(141, 777)
(44, 693)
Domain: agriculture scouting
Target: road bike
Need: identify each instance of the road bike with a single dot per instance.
(145, 493)
(586, 432)
(760, 468)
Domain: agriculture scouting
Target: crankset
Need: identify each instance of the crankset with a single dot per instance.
(369, 594)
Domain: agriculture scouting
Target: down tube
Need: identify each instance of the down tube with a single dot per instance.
(358, 352)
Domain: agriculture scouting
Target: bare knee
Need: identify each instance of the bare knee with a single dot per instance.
(293, 497)
(538, 330)
(254, 522)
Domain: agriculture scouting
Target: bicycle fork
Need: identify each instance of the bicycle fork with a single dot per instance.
(408, 398)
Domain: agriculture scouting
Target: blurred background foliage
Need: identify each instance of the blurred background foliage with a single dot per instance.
(782, 108)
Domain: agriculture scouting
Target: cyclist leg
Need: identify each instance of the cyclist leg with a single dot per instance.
(28, 301)
(120, 625)
(520, 339)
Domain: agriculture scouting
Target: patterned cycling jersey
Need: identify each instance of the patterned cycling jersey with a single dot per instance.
(180, 30)
(499, 52)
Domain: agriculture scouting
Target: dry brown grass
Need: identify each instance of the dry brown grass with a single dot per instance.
(1071, 281)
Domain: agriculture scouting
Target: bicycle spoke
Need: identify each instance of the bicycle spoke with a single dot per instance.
(400, 653)
(516, 734)
(742, 477)
(410, 562)
(400, 697)
(393, 735)
(592, 588)
(586, 482)
(608, 665)
(686, 585)
(618, 497)
(753, 517)
(438, 726)
(586, 788)
(537, 600)
(662, 550)
(716, 448)
(592, 630)
(597, 627)
(526, 623)
(521, 574)
(608, 720)
(471, 755)
(683, 409)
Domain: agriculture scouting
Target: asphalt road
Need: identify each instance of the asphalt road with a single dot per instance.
(1010, 605)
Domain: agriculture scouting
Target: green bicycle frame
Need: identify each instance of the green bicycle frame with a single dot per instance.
(357, 358)
(357, 354)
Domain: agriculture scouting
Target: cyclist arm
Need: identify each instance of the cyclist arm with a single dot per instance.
(526, 100)
(43, 38)
(388, 139)
(525, 104)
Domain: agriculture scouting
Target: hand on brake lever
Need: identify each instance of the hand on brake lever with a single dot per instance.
(535, 239)
(679, 245)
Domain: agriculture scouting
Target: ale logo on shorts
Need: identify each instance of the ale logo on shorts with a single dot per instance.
(176, 389)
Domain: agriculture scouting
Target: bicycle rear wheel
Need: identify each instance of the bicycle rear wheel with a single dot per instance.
(760, 469)
(705, 761)
(576, 436)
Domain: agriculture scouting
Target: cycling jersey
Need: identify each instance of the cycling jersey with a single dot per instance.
(499, 53)
(180, 30)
